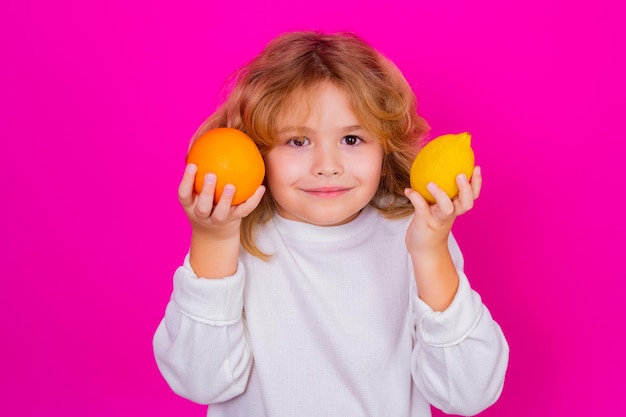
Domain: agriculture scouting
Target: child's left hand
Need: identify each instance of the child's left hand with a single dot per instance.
(432, 224)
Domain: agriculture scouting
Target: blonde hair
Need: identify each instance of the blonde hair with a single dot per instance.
(297, 62)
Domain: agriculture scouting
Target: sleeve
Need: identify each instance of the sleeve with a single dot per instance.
(200, 345)
(460, 355)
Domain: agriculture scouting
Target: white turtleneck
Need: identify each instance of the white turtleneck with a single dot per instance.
(331, 326)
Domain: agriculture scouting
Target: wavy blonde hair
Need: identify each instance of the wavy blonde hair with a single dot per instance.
(298, 62)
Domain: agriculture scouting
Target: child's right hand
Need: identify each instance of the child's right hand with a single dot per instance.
(215, 242)
(215, 220)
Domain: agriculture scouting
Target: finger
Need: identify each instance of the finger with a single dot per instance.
(477, 181)
(204, 202)
(185, 189)
(465, 200)
(419, 203)
(222, 209)
(445, 205)
(251, 203)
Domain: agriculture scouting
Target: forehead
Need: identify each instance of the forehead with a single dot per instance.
(313, 101)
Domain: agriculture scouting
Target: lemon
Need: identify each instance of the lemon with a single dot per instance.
(441, 161)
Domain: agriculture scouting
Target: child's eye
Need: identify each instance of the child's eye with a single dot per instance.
(351, 140)
(298, 142)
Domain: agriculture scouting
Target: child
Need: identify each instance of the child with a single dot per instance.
(333, 290)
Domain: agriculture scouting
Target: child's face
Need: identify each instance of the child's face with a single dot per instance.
(325, 168)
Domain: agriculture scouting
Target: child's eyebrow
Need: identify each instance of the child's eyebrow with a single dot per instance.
(352, 128)
(289, 130)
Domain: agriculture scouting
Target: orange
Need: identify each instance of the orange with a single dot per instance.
(441, 161)
(233, 157)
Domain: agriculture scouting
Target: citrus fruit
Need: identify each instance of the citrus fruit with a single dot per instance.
(233, 157)
(441, 161)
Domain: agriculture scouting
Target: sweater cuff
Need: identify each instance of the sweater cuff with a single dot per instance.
(218, 302)
(454, 324)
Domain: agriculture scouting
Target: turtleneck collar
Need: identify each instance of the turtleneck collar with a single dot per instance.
(310, 232)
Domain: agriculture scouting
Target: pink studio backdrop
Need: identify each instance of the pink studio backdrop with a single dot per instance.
(98, 101)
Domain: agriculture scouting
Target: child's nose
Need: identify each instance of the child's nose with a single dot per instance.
(327, 161)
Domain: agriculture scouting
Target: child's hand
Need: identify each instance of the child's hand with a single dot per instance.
(219, 220)
(432, 224)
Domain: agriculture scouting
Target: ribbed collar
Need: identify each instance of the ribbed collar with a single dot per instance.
(292, 229)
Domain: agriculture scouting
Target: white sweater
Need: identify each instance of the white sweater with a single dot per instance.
(331, 326)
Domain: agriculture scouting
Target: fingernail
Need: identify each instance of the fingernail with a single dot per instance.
(431, 186)
(211, 178)
(191, 168)
(229, 189)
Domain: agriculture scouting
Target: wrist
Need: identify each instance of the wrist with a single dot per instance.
(216, 232)
(430, 251)
(213, 257)
(436, 277)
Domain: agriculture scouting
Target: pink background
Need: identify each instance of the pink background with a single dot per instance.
(97, 103)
